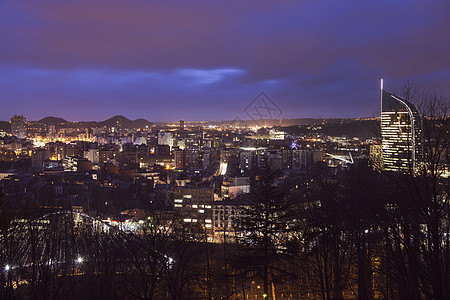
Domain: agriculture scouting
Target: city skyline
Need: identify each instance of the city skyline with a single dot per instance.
(86, 61)
(255, 122)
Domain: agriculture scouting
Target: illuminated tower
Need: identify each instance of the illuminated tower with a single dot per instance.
(401, 131)
(19, 126)
(181, 125)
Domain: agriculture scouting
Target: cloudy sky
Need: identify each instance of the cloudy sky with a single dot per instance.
(207, 60)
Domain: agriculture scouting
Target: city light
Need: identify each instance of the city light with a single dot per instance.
(200, 193)
(141, 155)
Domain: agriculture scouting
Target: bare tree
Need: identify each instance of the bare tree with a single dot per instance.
(419, 237)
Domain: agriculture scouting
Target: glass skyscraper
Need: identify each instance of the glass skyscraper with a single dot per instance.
(401, 131)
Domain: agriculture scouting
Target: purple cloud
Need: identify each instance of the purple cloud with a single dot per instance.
(207, 59)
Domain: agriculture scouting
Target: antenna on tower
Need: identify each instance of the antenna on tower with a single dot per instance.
(381, 96)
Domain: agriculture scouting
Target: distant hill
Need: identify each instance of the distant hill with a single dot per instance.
(126, 123)
(265, 122)
(52, 120)
(112, 122)
(354, 128)
(364, 129)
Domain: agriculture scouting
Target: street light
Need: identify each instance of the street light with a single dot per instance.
(79, 259)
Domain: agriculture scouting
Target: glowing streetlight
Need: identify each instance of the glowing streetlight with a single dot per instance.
(7, 267)
(79, 259)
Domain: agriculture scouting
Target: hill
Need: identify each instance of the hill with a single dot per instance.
(126, 123)
(52, 120)
(365, 128)
(354, 128)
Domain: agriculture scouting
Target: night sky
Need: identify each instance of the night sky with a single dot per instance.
(207, 60)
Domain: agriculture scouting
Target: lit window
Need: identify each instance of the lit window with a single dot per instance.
(187, 196)
(178, 200)
(187, 220)
(201, 211)
(178, 205)
(194, 206)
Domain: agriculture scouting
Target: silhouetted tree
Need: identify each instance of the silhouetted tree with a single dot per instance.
(265, 227)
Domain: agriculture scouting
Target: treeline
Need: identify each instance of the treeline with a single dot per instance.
(368, 235)
(361, 235)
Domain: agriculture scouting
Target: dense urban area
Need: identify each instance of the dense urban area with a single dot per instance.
(260, 209)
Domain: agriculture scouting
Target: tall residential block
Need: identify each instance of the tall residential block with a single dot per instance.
(19, 126)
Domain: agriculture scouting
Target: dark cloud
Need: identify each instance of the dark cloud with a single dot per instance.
(208, 59)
